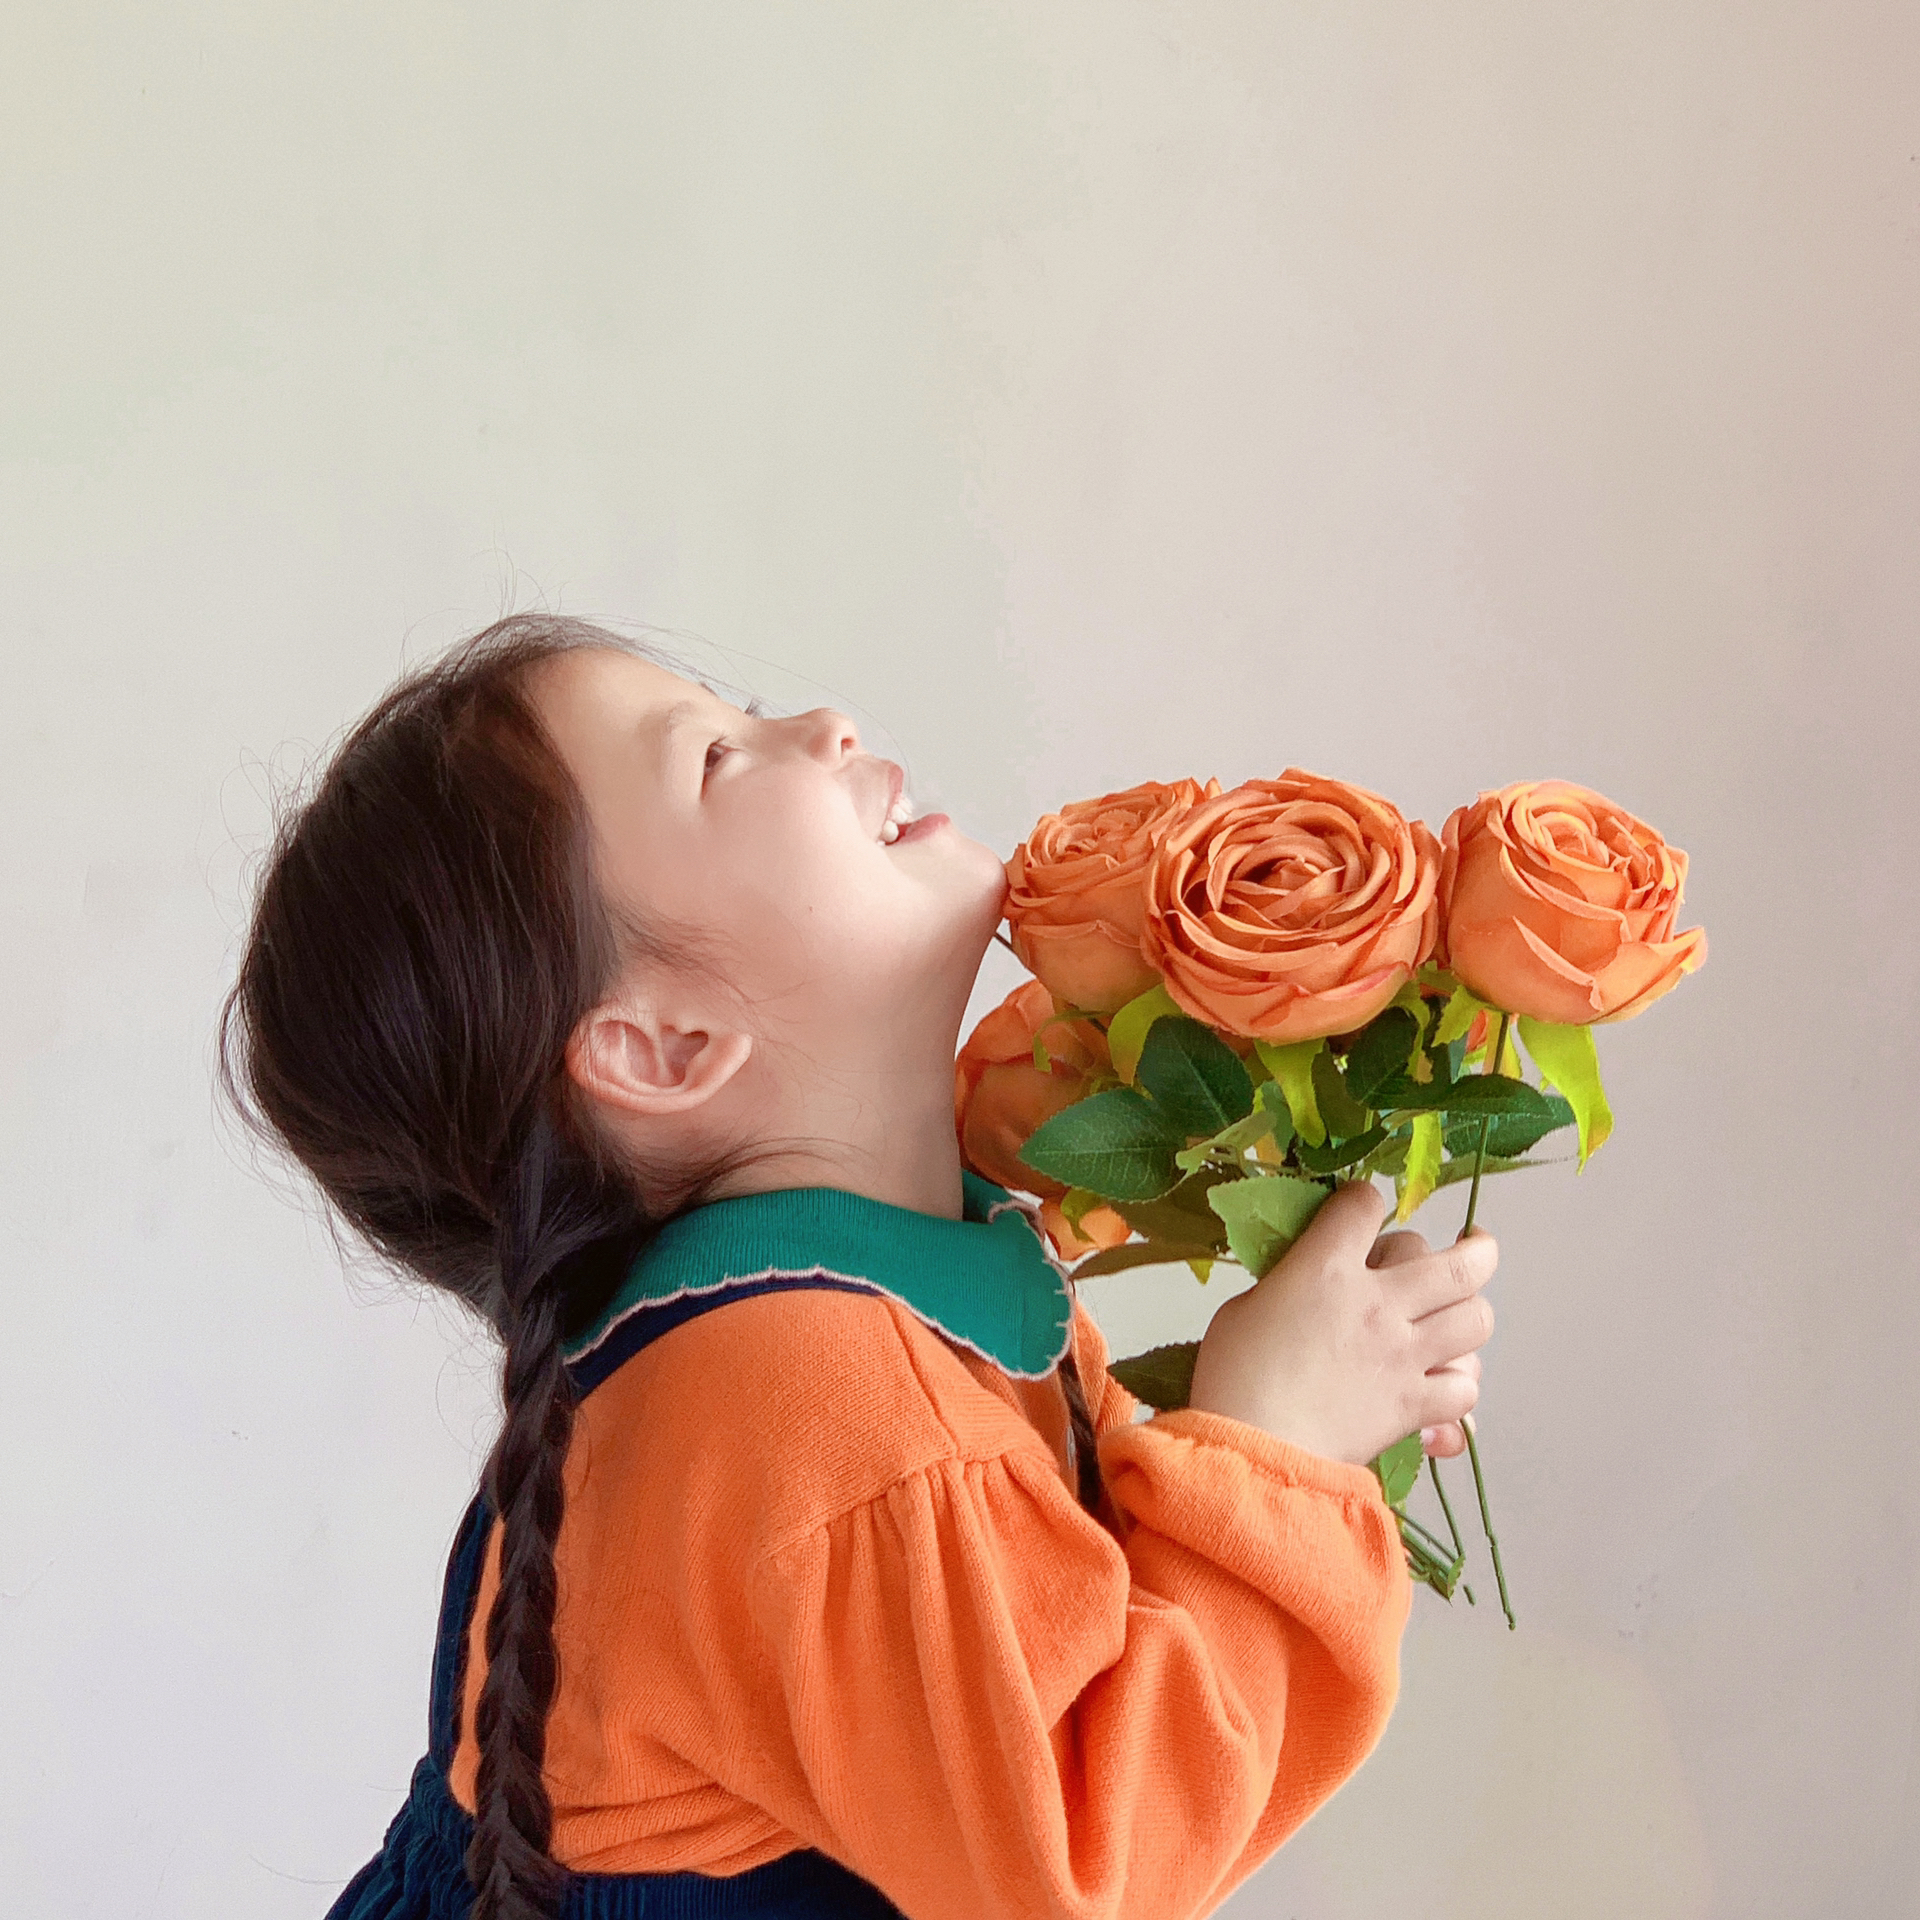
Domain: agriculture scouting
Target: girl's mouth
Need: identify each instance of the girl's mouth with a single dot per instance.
(921, 829)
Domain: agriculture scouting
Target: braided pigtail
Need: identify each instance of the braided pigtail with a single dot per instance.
(547, 1222)
(1085, 1449)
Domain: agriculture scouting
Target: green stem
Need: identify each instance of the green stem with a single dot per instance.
(1431, 1541)
(1433, 1467)
(1480, 1487)
(1466, 1420)
(1480, 1152)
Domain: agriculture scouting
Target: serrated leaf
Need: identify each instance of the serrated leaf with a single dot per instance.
(1384, 1049)
(1340, 1112)
(1456, 1017)
(1264, 1214)
(1339, 1153)
(1510, 1134)
(1118, 1144)
(1181, 1216)
(1461, 1168)
(1398, 1468)
(1421, 1176)
(1478, 1093)
(1195, 1078)
(1136, 1253)
(1568, 1060)
(1292, 1070)
(1128, 1029)
(1236, 1139)
(1390, 1157)
(1272, 1098)
(1162, 1377)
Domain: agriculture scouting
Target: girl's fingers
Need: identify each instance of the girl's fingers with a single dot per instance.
(1391, 1249)
(1447, 1393)
(1434, 1282)
(1450, 1334)
(1447, 1441)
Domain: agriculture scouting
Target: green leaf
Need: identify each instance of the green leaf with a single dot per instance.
(1292, 1068)
(1568, 1060)
(1390, 1157)
(1127, 1030)
(1398, 1468)
(1042, 1059)
(1341, 1153)
(1461, 1168)
(1343, 1114)
(1264, 1214)
(1202, 1268)
(1422, 1174)
(1181, 1216)
(1162, 1377)
(1076, 1203)
(1136, 1253)
(1510, 1134)
(1272, 1098)
(1235, 1140)
(1457, 1017)
(1195, 1078)
(1118, 1144)
(1384, 1049)
(1476, 1094)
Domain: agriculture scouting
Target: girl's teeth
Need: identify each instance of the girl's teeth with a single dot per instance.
(898, 816)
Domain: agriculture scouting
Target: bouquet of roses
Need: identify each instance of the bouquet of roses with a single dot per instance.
(1244, 999)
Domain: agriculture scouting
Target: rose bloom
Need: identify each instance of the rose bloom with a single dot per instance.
(1000, 1099)
(1291, 908)
(1557, 904)
(1074, 903)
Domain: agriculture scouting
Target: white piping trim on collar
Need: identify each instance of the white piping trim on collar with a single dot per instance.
(861, 1280)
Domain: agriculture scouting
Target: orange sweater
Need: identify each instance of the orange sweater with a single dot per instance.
(823, 1581)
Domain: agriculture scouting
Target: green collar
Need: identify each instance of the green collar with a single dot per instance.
(987, 1282)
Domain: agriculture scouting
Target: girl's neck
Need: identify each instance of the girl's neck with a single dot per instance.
(886, 1133)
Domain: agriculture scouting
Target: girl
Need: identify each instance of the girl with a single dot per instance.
(602, 1004)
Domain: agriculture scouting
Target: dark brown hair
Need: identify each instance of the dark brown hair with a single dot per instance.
(426, 936)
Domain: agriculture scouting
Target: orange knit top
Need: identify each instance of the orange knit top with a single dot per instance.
(823, 1581)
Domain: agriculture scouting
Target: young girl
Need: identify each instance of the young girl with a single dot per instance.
(604, 1004)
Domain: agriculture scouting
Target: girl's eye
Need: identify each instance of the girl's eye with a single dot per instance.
(719, 746)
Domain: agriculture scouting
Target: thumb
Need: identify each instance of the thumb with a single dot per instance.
(1347, 1220)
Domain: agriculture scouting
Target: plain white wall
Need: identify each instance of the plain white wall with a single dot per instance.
(1074, 393)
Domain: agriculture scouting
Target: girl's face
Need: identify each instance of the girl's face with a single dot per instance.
(765, 835)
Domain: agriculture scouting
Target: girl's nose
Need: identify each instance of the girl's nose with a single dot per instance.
(830, 734)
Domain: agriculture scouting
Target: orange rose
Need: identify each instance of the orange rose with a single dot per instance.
(1074, 904)
(1000, 1099)
(1558, 904)
(1291, 908)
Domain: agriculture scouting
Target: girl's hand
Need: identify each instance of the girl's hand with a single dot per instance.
(1404, 1244)
(1344, 1353)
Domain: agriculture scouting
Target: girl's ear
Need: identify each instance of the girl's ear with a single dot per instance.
(628, 1054)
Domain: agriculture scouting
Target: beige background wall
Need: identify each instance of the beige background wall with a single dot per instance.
(1075, 393)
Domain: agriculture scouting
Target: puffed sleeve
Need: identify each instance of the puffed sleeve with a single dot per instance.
(992, 1708)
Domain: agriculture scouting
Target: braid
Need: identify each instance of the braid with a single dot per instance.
(549, 1219)
(1085, 1448)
